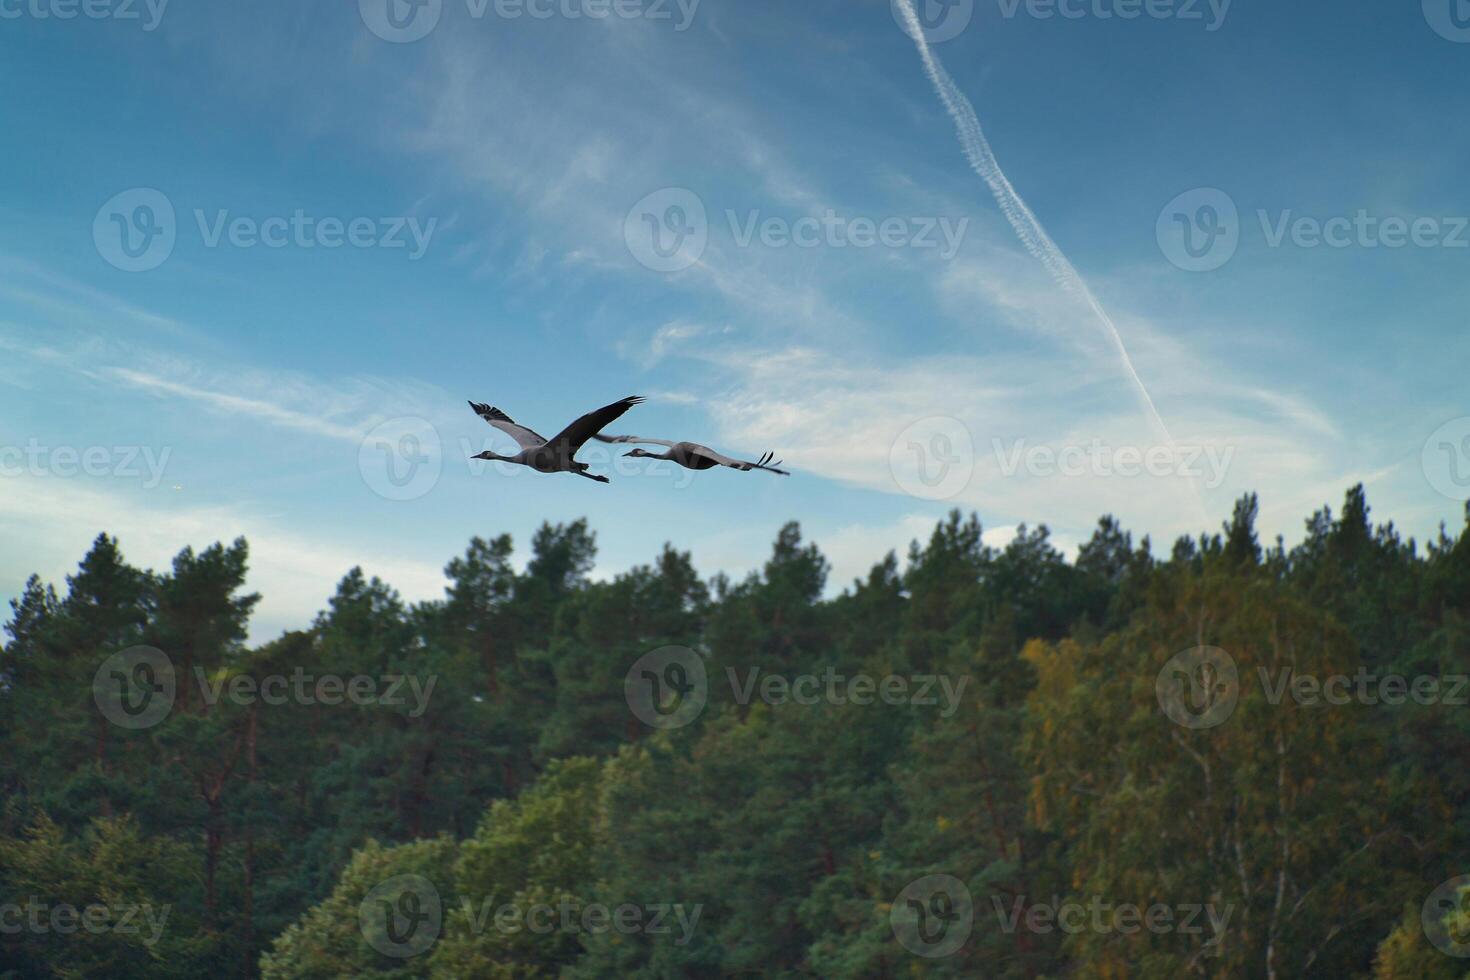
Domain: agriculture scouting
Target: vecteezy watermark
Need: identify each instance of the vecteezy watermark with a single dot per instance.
(1198, 688)
(301, 230)
(149, 13)
(405, 21)
(572, 916)
(1445, 917)
(401, 917)
(36, 915)
(401, 459)
(933, 458)
(1449, 18)
(669, 230)
(669, 687)
(1099, 459)
(404, 915)
(1200, 230)
(400, 21)
(1446, 459)
(136, 230)
(832, 230)
(136, 688)
(1211, 13)
(932, 916)
(1363, 229)
(299, 687)
(941, 20)
(120, 462)
(936, 21)
(923, 690)
(1364, 687)
(1098, 915)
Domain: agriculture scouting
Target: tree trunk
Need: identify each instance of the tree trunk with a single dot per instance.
(247, 966)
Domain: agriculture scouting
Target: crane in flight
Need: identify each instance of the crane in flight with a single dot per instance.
(557, 454)
(693, 456)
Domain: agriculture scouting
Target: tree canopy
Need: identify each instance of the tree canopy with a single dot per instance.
(1241, 760)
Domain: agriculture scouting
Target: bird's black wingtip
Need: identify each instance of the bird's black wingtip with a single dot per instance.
(769, 466)
(489, 412)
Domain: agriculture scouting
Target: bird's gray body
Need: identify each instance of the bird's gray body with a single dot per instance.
(693, 456)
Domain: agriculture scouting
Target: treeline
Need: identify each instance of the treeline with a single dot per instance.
(466, 787)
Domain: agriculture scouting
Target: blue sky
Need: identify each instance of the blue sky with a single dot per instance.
(246, 376)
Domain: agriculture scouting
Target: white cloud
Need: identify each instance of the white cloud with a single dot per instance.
(49, 523)
(854, 549)
(839, 418)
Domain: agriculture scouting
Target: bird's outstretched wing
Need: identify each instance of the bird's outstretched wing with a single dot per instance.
(743, 465)
(651, 442)
(524, 437)
(588, 425)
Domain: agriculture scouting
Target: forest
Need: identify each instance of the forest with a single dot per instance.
(1242, 760)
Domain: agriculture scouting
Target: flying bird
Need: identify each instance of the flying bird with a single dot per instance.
(693, 456)
(554, 455)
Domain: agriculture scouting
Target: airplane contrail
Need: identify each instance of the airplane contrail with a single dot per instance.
(1032, 235)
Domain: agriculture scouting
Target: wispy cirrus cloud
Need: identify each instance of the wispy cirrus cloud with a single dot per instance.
(46, 290)
(340, 408)
(237, 405)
